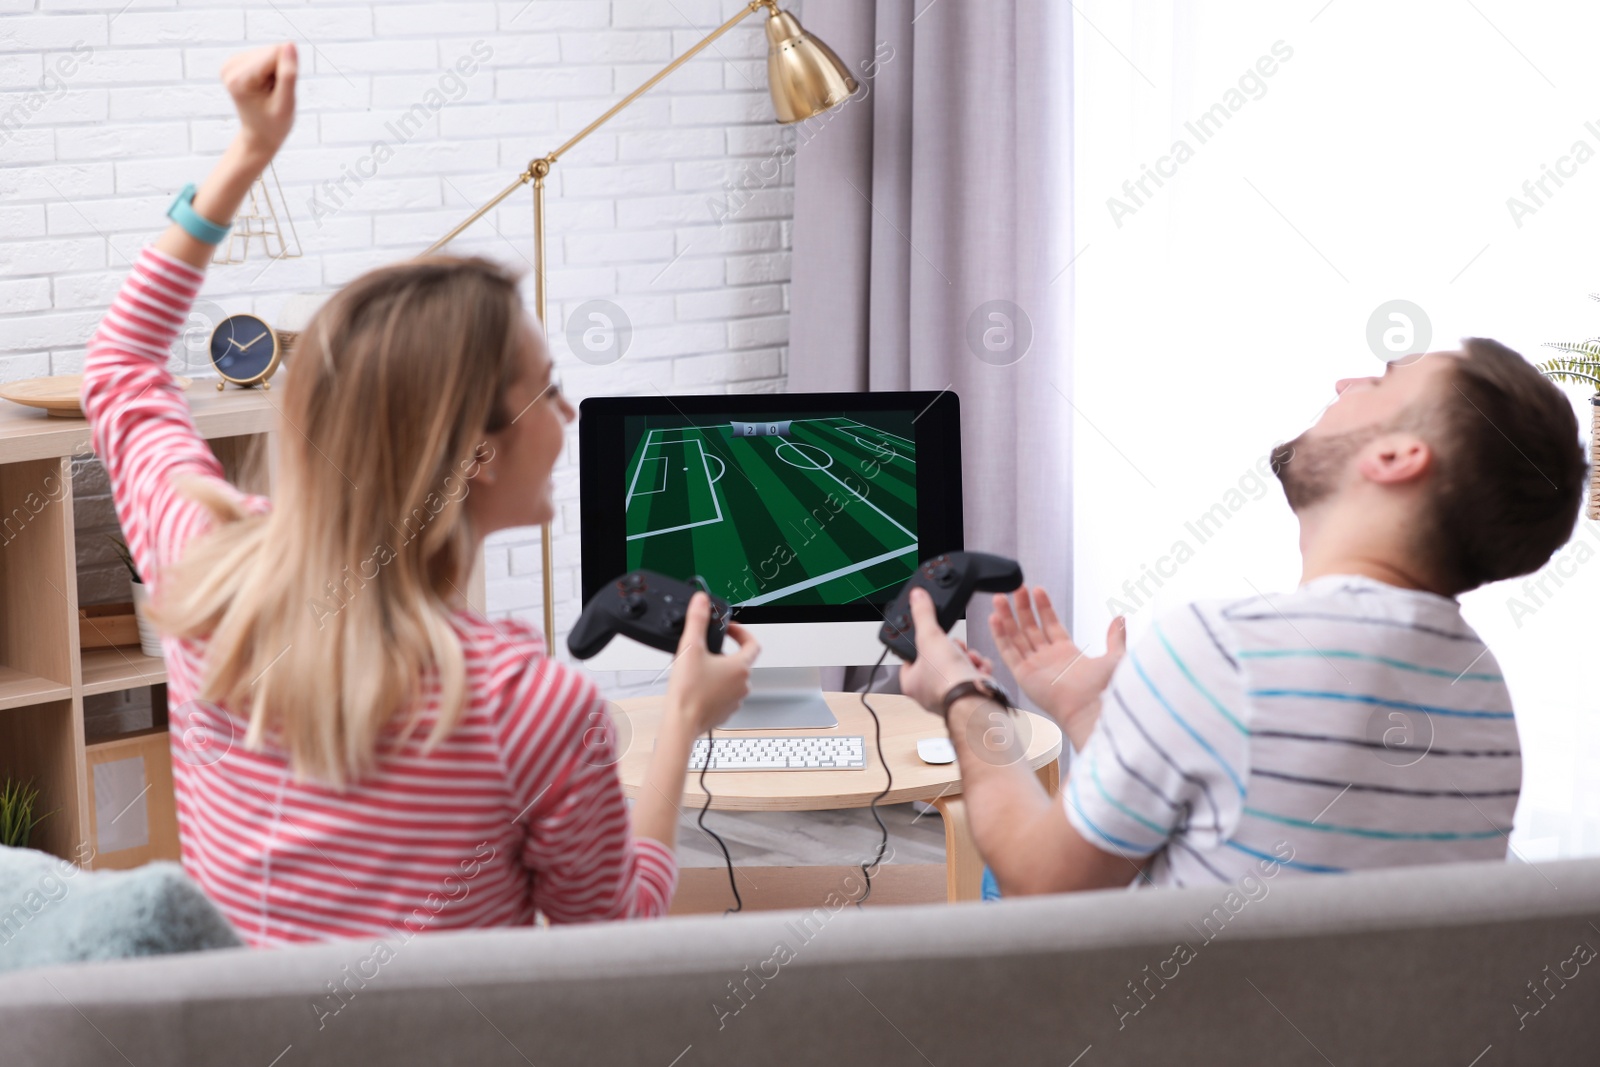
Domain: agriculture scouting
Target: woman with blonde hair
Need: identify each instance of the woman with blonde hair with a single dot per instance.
(356, 753)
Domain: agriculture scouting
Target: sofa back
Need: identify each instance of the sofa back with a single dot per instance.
(1424, 965)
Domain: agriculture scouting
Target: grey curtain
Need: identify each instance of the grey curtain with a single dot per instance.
(932, 243)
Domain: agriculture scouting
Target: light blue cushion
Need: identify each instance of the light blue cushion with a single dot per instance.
(53, 912)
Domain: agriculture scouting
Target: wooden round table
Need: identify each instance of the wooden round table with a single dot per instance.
(904, 724)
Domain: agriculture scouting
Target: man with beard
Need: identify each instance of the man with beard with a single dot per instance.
(1356, 722)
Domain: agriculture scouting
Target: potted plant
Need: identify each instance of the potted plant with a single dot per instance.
(149, 636)
(17, 819)
(1580, 366)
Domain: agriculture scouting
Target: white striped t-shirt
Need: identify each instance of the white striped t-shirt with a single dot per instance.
(1346, 725)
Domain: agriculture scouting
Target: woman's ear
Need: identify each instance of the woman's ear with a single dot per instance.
(1396, 458)
(481, 469)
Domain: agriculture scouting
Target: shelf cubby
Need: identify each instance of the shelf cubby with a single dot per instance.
(38, 605)
(44, 674)
(42, 744)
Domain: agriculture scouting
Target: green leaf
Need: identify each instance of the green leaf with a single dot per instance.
(17, 818)
(1580, 367)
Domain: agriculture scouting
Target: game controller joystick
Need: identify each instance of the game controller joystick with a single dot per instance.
(950, 579)
(648, 607)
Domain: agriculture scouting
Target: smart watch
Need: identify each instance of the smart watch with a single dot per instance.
(201, 229)
(980, 687)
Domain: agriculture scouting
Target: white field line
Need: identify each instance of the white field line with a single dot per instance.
(650, 492)
(871, 505)
(642, 453)
(830, 576)
(711, 486)
(874, 429)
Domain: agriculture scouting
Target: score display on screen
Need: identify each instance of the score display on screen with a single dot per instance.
(808, 509)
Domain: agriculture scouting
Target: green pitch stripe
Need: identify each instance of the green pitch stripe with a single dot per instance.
(848, 521)
(699, 468)
(898, 465)
(832, 539)
(904, 444)
(693, 502)
(780, 555)
(845, 485)
(778, 529)
(867, 447)
(893, 454)
(791, 502)
(719, 550)
(877, 584)
(687, 499)
(867, 471)
(894, 496)
(637, 517)
(741, 558)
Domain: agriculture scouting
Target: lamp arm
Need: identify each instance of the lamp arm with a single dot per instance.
(706, 42)
(522, 179)
(539, 168)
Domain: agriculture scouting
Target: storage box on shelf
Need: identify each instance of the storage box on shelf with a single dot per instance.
(46, 669)
(132, 811)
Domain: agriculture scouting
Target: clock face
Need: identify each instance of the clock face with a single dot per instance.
(242, 348)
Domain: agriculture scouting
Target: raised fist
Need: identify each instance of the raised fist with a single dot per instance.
(262, 82)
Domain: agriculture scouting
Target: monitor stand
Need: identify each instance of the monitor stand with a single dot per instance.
(783, 698)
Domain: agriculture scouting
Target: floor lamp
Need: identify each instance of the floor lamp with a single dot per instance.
(806, 78)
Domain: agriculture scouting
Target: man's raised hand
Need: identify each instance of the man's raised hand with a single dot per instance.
(1047, 664)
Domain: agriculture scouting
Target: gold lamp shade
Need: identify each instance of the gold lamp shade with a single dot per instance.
(805, 75)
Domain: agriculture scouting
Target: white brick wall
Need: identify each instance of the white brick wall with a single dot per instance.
(107, 109)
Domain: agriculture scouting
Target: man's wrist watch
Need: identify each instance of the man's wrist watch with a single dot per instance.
(194, 224)
(978, 687)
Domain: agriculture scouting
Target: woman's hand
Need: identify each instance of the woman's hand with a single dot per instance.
(706, 688)
(262, 84)
(941, 661)
(1050, 668)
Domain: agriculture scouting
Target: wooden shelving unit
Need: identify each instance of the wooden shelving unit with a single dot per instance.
(106, 670)
(44, 674)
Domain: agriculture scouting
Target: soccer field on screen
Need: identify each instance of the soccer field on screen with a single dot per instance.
(801, 511)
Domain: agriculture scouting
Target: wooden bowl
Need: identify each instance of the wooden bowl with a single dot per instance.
(57, 395)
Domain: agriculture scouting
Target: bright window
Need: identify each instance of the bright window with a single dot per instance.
(1252, 182)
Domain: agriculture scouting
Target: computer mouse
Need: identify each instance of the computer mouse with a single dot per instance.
(936, 750)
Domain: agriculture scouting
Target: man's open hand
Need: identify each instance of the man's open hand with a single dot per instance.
(1049, 667)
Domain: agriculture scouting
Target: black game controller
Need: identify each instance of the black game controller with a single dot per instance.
(648, 607)
(950, 579)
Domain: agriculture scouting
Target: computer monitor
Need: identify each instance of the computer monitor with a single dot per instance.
(805, 511)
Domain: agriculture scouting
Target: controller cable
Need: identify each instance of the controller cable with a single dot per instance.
(738, 901)
(883, 842)
(877, 729)
(727, 858)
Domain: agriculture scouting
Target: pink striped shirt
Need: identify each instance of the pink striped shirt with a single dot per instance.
(518, 810)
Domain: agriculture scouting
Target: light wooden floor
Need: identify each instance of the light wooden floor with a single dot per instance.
(811, 838)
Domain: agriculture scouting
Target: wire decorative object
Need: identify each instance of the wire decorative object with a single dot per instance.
(261, 219)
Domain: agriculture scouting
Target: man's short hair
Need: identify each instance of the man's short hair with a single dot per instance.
(1510, 469)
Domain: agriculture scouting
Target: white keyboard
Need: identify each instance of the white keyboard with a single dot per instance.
(798, 753)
